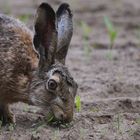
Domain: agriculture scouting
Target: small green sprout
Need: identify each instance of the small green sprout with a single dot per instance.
(111, 31)
(118, 122)
(66, 125)
(86, 29)
(78, 103)
(109, 55)
(37, 126)
(87, 49)
(56, 135)
(94, 109)
(50, 118)
(26, 108)
(82, 133)
(138, 121)
(24, 18)
(7, 9)
(11, 127)
(0, 124)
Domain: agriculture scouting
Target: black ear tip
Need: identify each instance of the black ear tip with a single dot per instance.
(46, 7)
(63, 8)
(65, 5)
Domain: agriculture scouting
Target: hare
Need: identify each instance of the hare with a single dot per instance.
(32, 65)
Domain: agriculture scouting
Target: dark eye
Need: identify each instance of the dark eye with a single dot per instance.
(52, 84)
(63, 99)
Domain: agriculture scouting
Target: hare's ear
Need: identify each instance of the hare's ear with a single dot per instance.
(65, 31)
(45, 38)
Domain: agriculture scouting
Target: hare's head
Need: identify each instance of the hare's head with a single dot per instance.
(57, 88)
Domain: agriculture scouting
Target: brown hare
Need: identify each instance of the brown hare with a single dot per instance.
(32, 66)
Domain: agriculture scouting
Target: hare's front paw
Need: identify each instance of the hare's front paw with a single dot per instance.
(6, 117)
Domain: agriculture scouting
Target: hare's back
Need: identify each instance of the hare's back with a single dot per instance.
(16, 48)
(13, 33)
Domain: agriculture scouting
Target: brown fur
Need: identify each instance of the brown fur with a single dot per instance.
(17, 59)
(20, 67)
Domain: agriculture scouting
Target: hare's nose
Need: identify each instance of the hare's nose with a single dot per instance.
(60, 116)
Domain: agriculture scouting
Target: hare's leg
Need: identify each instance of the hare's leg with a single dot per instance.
(6, 117)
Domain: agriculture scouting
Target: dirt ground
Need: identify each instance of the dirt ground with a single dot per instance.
(109, 87)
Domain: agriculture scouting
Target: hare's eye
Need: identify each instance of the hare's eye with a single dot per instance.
(63, 99)
(52, 84)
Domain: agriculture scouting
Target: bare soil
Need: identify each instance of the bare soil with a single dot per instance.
(109, 86)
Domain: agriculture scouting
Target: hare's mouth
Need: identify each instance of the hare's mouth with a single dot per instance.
(53, 117)
(56, 115)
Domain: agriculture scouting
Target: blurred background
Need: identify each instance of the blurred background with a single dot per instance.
(104, 58)
(88, 18)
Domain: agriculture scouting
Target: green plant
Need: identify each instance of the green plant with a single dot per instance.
(37, 126)
(66, 125)
(7, 7)
(11, 127)
(131, 131)
(86, 30)
(82, 133)
(24, 18)
(50, 118)
(137, 33)
(78, 103)
(118, 122)
(87, 49)
(26, 108)
(138, 121)
(112, 32)
(109, 55)
(94, 109)
(56, 135)
(0, 126)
